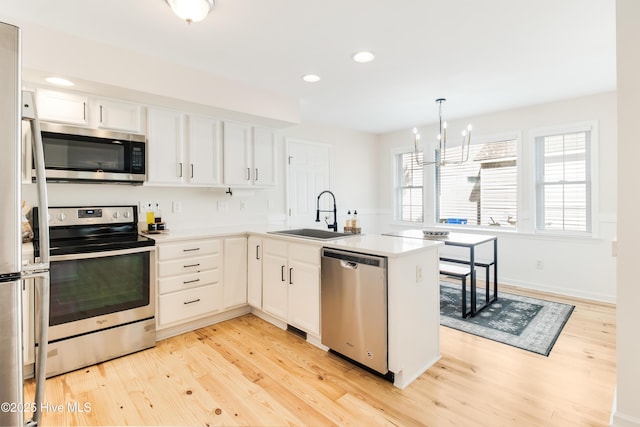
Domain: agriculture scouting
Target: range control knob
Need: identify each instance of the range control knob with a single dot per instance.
(116, 214)
(127, 214)
(62, 216)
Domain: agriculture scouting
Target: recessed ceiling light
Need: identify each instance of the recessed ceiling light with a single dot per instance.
(363, 57)
(311, 78)
(59, 81)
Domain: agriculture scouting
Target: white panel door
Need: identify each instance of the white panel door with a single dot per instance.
(308, 175)
(165, 148)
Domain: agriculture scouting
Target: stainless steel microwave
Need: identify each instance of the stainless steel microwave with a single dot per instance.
(75, 154)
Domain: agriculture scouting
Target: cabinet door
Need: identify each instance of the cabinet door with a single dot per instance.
(164, 131)
(237, 168)
(64, 107)
(118, 115)
(203, 142)
(304, 288)
(254, 271)
(235, 271)
(275, 279)
(264, 157)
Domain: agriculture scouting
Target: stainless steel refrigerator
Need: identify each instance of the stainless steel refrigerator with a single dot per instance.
(16, 106)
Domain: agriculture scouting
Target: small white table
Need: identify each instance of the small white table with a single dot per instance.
(470, 241)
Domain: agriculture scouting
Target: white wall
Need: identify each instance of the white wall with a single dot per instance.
(353, 169)
(576, 266)
(627, 410)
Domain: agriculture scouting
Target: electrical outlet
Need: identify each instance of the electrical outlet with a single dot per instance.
(539, 264)
(243, 205)
(176, 207)
(418, 273)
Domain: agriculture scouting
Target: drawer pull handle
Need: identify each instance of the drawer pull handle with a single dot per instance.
(191, 265)
(191, 281)
(191, 302)
(191, 250)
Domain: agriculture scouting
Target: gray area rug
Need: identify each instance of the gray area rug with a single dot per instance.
(524, 322)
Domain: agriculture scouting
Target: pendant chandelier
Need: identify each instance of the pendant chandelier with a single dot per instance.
(441, 150)
(191, 10)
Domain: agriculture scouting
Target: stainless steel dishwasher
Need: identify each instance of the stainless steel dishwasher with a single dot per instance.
(354, 307)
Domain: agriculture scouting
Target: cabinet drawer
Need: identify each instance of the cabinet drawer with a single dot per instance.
(309, 254)
(189, 265)
(189, 303)
(186, 281)
(188, 249)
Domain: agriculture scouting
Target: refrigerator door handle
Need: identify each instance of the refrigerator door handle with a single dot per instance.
(30, 113)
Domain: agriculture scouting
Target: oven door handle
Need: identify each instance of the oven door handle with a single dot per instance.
(101, 254)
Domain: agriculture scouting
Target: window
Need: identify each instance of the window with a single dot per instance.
(563, 181)
(481, 191)
(409, 186)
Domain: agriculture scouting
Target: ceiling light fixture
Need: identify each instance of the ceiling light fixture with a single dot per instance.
(59, 81)
(364, 57)
(441, 151)
(191, 10)
(311, 78)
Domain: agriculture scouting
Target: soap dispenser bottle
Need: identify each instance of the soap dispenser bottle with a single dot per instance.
(347, 223)
(355, 223)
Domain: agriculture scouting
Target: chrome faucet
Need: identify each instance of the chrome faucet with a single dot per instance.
(333, 226)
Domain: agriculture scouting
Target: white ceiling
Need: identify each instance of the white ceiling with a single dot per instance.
(482, 55)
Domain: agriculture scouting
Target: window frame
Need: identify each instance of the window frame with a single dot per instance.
(591, 181)
(397, 188)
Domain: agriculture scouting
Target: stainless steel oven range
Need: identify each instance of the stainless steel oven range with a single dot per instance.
(102, 285)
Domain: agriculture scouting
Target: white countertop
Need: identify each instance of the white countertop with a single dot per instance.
(375, 244)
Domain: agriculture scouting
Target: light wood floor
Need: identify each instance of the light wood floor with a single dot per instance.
(247, 372)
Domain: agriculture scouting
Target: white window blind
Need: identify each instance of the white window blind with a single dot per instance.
(563, 182)
(483, 190)
(409, 187)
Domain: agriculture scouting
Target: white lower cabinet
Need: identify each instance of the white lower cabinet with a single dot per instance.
(235, 272)
(254, 272)
(291, 283)
(189, 280)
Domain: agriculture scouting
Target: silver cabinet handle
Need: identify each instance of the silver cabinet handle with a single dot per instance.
(101, 121)
(291, 275)
(191, 170)
(190, 281)
(282, 273)
(180, 174)
(191, 250)
(192, 301)
(191, 265)
(248, 174)
(256, 174)
(257, 251)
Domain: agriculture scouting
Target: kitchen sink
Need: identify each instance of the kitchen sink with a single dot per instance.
(313, 233)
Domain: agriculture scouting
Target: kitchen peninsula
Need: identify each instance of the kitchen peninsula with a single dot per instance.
(224, 288)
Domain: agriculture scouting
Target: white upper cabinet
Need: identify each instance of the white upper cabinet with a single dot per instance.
(249, 155)
(118, 115)
(63, 107)
(264, 157)
(86, 110)
(203, 150)
(164, 148)
(183, 149)
(237, 168)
